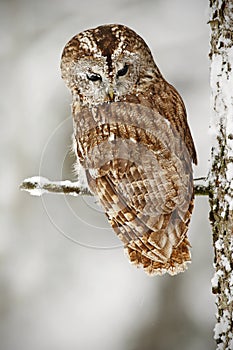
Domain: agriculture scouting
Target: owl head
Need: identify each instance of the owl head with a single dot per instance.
(106, 64)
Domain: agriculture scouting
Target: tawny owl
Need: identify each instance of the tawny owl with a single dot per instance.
(133, 144)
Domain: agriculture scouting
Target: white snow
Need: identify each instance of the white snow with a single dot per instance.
(229, 171)
(229, 200)
(39, 183)
(225, 263)
(219, 244)
(222, 327)
(214, 281)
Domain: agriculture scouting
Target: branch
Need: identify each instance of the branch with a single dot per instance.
(201, 187)
(38, 185)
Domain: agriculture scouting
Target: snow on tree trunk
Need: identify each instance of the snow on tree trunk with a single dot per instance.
(221, 173)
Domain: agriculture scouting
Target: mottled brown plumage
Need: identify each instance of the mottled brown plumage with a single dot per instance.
(133, 144)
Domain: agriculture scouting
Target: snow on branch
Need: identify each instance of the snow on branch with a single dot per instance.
(38, 185)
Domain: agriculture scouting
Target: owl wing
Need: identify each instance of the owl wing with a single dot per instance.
(141, 173)
(149, 214)
(167, 101)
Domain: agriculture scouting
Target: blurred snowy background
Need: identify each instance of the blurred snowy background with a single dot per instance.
(57, 294)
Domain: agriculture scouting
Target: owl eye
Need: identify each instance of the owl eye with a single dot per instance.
(94, 77)
(123, 71)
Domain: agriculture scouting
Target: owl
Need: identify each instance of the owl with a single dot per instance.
(133, 144)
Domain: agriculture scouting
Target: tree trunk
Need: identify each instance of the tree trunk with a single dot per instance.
(221, 173)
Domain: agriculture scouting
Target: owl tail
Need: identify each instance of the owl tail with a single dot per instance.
(177, 262)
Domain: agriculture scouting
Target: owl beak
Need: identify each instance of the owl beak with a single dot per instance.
(111, 94)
